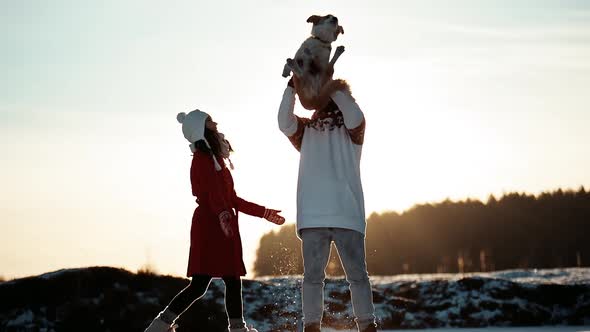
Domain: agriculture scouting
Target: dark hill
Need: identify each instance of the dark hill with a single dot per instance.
(110, 299)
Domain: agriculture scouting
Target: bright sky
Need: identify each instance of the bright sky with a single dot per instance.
(462, 99)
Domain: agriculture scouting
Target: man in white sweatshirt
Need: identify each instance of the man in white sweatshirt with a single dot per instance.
(330, 202)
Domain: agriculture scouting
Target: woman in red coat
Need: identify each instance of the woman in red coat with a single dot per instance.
(216, 247)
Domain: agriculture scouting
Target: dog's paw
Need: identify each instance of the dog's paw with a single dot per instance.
(286, 70)
(288, 67)
(340, 49)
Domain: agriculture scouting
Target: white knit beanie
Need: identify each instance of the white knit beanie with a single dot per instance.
(193, 128)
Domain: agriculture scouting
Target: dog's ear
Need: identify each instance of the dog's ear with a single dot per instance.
(314, 19)
(339, 30)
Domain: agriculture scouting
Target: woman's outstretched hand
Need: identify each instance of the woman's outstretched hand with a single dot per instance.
(225, 218)
(273, 216)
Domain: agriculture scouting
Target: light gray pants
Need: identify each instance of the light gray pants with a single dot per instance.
(316, 252)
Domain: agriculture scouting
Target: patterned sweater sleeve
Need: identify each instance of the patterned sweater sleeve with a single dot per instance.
(354, 119)
(207, 185)
(290, 124)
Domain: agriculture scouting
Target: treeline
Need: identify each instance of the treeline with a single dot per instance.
(515, 231)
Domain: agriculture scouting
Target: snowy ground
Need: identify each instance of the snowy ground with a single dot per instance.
(507, 329)
(569, 276)
(504, 298)
(557, 299)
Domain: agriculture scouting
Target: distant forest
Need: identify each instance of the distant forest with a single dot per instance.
(515, 231)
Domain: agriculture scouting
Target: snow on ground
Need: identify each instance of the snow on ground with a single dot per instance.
(504, 298)
(495, 329)
(568, 276)
(426, 302)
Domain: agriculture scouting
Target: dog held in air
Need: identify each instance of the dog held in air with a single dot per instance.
(312, 67)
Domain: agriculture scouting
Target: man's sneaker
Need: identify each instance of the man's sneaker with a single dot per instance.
(371, 328)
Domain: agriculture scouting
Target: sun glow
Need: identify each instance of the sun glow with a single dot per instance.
(460, 102)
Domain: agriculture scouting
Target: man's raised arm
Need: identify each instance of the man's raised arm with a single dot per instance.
(290, 124)
(354, 119)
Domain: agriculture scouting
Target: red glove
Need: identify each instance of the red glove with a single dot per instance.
(273, 216)
(225, 219)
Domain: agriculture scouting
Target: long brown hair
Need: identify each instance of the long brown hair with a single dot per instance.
(213, 139)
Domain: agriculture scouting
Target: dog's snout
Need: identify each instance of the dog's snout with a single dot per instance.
(334, 19)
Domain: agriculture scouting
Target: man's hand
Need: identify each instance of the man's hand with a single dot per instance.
(225, 219)
(273, 216)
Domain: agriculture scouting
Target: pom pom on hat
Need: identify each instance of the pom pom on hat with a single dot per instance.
(180, 117)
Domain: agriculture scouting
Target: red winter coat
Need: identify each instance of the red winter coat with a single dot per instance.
(211, 252)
